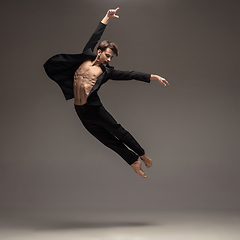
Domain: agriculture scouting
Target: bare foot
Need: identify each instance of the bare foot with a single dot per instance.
(147, 161)
(137, 168)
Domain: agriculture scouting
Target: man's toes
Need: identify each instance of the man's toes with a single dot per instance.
(143, 175)
(149, 163)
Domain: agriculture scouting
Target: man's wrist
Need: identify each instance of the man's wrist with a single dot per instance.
(152, 77)
(105, 20)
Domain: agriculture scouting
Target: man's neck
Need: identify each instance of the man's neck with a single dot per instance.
(96, 62)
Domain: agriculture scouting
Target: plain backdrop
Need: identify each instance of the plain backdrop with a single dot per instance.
(190, 129)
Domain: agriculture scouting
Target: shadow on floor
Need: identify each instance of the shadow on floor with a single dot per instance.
(89, 225)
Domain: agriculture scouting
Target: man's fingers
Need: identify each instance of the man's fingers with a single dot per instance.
(165, 82)
(112, 12)
(116, 16)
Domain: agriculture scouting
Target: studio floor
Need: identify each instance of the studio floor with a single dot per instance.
(119, 225)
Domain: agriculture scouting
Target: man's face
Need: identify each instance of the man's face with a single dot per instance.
(105, 56)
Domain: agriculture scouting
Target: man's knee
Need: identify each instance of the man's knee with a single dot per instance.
(120, 132)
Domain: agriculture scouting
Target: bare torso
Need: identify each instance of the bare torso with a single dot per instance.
(84, 79)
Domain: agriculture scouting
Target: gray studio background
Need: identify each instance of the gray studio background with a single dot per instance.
(190, 129)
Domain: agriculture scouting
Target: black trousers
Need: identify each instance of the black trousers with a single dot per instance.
(99, 122)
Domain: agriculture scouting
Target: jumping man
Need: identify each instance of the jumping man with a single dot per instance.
(80, 76)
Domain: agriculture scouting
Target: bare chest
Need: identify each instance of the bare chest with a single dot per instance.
(87, 72)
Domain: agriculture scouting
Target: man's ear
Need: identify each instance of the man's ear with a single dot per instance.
(99, 51)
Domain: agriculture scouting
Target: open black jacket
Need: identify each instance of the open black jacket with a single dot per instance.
(61, 68)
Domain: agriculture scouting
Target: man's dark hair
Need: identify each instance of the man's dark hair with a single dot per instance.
(107, 44)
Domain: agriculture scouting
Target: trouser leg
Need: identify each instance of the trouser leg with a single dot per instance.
(106, 120)
(104, 127)
(111, 142)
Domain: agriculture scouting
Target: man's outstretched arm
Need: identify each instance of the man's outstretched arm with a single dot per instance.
(129, 75)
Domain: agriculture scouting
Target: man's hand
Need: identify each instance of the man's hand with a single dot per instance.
(111, 13)
(163, 81)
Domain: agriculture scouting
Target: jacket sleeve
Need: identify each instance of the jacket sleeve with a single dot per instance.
(95, 37)
(129, 75)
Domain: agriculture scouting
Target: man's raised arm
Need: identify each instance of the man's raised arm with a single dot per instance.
(111, 13)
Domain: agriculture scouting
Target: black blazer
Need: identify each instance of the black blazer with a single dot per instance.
(61, 68)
